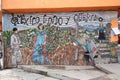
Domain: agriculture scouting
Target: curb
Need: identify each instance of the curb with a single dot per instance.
(33, 70)
(103, 69)
(46, 73)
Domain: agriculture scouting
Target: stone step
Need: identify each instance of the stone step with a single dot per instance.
(104, 50)
(105, 53)
(106, 56)
(103, 47)
(105, 60)
(102, 44)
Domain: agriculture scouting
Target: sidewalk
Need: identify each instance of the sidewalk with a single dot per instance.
(64, 72)
(57, 72)
(110, 68)
(113, 71)
(18, 74)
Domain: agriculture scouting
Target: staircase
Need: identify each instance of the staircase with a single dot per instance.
(104, 49)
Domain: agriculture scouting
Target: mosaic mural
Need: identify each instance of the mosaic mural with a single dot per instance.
(66, 36)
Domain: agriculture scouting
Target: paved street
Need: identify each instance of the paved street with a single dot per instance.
(108, 77)
(18, 74)
(33, 72)
(112, 70)
(65, 72)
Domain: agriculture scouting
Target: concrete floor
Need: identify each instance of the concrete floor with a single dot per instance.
(19, 74)
(60, 72)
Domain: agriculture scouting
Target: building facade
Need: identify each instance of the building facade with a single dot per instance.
(67, 25)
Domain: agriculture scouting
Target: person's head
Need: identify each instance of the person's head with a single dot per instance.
(15, 30)
(40, 26)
